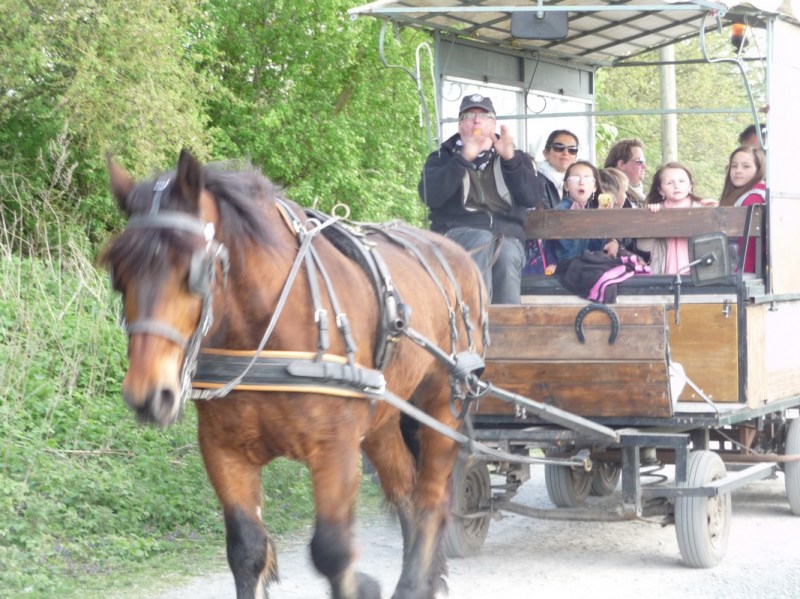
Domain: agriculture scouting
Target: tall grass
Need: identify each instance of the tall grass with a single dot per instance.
(86, 495)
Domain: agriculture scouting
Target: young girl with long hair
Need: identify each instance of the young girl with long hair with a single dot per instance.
(744, 186)
(672, 187)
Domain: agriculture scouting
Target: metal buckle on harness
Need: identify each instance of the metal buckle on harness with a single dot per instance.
(379, 390)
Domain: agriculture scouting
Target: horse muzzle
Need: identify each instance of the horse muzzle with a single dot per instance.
(152, 385)
(159, 405)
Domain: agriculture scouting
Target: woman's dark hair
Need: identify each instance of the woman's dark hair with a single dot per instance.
(592, 201)
(654, 195)
(552, 137)
(731, 193)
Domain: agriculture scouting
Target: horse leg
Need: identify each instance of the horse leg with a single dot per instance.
(394, 451)
(424, 564)
(251, 552)
(334, 475)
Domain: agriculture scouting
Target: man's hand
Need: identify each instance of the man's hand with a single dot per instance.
(505, 144)
(476, 142)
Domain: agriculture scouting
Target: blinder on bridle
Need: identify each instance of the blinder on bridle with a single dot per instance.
(202, 272)
(201, 278)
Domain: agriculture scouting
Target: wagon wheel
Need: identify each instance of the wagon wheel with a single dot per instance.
(471, 492)
(791, 470)
(703, 523)
(567, 486)
(605, 478)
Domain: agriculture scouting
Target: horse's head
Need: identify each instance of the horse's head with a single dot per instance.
(165, 265)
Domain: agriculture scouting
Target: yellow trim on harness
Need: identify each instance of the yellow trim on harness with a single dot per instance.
(300, 355)
(322, 390)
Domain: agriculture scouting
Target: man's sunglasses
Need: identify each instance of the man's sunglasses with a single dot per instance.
(557, 147)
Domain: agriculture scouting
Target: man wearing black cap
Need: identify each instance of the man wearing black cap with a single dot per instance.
(478, 188)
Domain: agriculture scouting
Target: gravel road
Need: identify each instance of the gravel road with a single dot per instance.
(525, 557)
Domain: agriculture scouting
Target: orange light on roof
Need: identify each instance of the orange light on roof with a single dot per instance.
(738, 32)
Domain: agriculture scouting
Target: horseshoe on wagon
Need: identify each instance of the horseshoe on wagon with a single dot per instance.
(612, 338)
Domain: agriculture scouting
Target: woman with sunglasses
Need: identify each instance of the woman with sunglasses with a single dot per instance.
(560, 152)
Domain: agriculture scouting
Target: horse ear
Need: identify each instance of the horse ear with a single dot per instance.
(190, 176)
(121, 183)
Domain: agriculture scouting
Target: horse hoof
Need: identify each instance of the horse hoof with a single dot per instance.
(439, 590)
(368, 587)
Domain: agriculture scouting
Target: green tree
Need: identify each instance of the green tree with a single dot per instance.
(102, 76)
(704, 140)
(310, 102)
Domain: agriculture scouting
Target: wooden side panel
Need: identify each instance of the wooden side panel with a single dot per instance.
(535, 352)
(782, 333)
(784, 215)
(757, 383)
(584, 388)
(568, 224)
(706, 345)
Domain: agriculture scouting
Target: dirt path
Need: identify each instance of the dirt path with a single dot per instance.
(525, 557)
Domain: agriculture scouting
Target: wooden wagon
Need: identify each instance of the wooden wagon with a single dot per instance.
(697, 372)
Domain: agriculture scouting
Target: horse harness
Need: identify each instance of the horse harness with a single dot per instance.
(321, 372)
(213, 373)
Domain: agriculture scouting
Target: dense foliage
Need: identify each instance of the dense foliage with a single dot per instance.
(296, 87)
(705, 138)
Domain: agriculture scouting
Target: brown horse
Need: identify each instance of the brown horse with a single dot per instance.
(299, 389)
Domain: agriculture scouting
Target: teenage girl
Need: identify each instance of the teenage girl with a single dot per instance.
(744, 186)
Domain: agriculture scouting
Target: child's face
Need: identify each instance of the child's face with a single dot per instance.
(675, 184)
(621, 196)
(580, 184)
(742, 168)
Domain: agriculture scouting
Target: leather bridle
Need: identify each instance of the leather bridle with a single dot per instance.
(201, 281)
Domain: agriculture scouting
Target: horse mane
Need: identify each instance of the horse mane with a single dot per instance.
(243, 196)
(244, 199)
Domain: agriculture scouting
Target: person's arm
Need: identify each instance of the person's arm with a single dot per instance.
(753, 198)
(442, 177)
(527, 187)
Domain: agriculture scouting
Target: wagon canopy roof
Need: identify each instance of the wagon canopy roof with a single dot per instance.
(600, 33)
